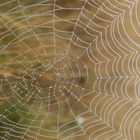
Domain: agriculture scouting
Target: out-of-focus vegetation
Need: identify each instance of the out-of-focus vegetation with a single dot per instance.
(69, 70)
(28, 105)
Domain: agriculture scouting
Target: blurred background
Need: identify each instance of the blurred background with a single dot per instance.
(69, 69)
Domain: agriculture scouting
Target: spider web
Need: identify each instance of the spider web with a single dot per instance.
(69, 69)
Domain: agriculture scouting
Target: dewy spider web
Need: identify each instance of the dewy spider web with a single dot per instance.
(69, 69)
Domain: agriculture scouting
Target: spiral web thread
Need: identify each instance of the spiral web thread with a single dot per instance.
(69, 70)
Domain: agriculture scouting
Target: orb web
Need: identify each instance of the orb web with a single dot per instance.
(69, 69)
